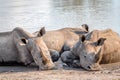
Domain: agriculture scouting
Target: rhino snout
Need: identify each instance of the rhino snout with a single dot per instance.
(94, 67)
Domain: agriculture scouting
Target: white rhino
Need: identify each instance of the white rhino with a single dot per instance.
(97, 47)
(22, 47)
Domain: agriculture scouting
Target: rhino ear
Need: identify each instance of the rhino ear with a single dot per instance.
(85, 26)
(82, 38)
(23, 40)
(100, 41)
(41, 32)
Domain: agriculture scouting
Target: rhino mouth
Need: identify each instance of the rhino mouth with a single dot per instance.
(92, 68)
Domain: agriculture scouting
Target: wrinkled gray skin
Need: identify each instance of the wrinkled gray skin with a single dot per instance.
(63, 39)
(19, 46)
(9, 43)
(97, 47)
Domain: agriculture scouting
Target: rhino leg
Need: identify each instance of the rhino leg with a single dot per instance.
(65, 47)
(76, 63)
(54, 55)
(68, 58)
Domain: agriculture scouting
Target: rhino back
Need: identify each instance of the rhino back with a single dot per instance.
(7, 47)
(71, 38)
(54, 40)
(57, 38)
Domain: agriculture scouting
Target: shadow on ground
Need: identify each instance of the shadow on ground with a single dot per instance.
(16, 67)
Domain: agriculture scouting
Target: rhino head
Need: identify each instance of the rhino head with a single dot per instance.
(39, 51)
(89, 52)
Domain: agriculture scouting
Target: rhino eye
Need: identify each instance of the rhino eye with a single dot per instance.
(84, 56)
(88, 67)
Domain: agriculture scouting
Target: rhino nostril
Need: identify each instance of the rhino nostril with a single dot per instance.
(84, 56)
(88, 67)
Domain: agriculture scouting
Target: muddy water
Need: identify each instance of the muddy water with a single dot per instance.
(55, 14)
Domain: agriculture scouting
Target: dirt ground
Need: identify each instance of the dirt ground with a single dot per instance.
(32, 73)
